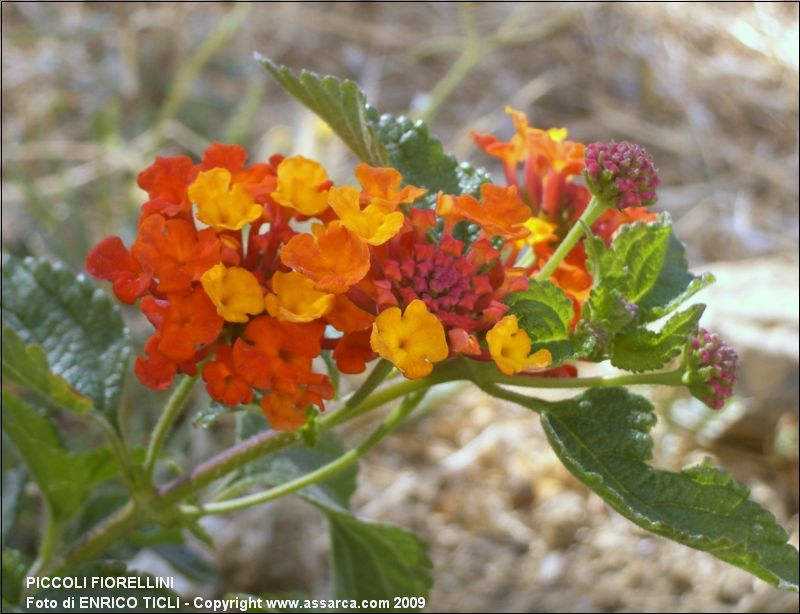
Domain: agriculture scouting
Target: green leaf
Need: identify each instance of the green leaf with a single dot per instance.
(602, 437)
(14, 571)
(77, 326)
(376, 561)
(422, 160)
(636, 257)
(186, 562)
(14, 481)
(646, 350)
(675, 284)
(85, 575)
(27, 366)
(544, 312)
(294, 462)
(338, 102)
(64, 478)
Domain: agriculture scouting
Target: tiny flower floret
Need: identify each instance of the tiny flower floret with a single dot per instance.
(412, 340)
(373, 225)
(294, 298)
(510, 348)
(710, 368)
(621, 174)
(221, 205)
(302, 185)
(235, 292)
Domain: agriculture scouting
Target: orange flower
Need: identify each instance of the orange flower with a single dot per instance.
(174, 252)
(374, 225)
(501, 212)
(382, 187)
(412, 340)
(185, 321)
(155, 370)
(353, 352)
(221, 204)
(165, 182)
(302, 185)
(110, 260)
(295, 299)
(334, 257)
(235, 292)
(510, 348)
(223, 383)
(346, 316)
(259, 179)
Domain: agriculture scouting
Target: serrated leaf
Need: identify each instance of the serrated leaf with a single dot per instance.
(14, 481)
(338, 102)
(675, 284)
(636, 257)
(77, 326)
(119, 597)
(27, 366)
(14, 571)
(64, 478)
(602, 437)
(422, 160)
(294, 462)
(544, 312)
(376, 561)
(646, 350)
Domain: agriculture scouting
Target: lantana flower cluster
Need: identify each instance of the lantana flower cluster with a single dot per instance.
(254, 270)
(250, 272)
(547, 168)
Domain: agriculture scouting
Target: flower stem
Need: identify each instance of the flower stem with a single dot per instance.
(48, 543)
(319, 475)
(593, 211)
(171, 410)
(133, 516)
(665, 378)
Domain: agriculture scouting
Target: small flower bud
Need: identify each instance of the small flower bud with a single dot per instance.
(710, 365)
(621, 174)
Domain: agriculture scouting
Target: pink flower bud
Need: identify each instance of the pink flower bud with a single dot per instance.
(621, 174)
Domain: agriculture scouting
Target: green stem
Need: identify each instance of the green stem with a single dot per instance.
(118, 448)
(47, 546)
(171, 410)
(319, 475)
(133, 516)
(666, 378)
(593, 211)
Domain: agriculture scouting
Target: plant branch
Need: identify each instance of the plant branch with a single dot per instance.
(319, 475)
(166, 419)
(594, 210)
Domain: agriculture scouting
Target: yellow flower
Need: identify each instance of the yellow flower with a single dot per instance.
(295, 299)
(221, 206)
(510, 348)
(302, 185)
(373, 224)
(412, 341)
(234, 291)
(540, 231)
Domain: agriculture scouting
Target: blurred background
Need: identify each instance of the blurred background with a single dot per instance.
(93, 91)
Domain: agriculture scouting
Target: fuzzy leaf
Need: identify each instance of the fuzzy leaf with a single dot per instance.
(77, 326)
(376, 561)
(27, 366)
(338, 102)
(646, 350)
(675, 284)
(64, 478)
(422, 160)
(544, 312)
(602, 437)
(636, 257)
